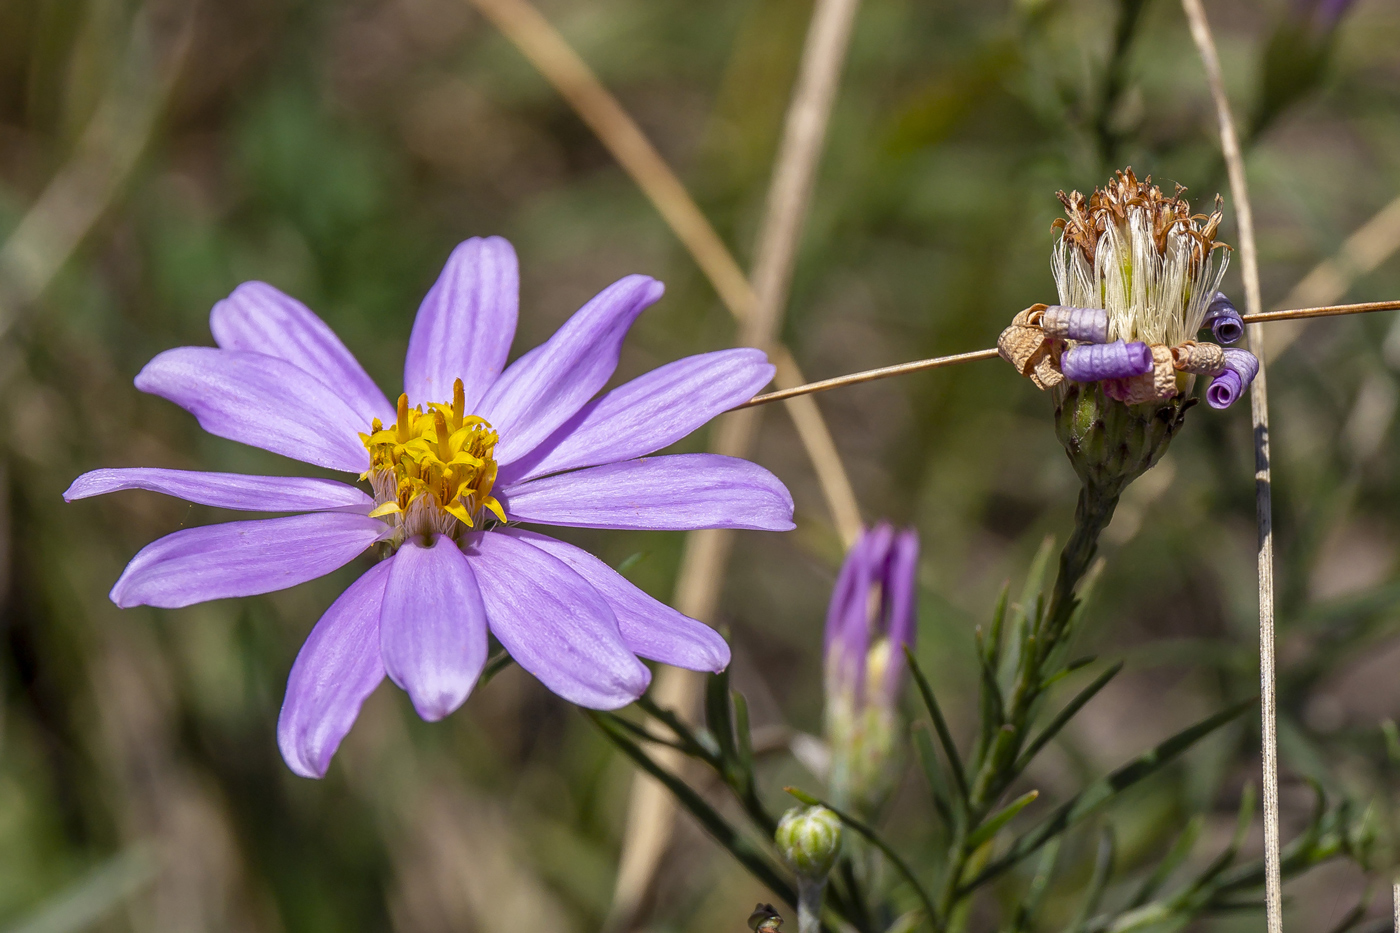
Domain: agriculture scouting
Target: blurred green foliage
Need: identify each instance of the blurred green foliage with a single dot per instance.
(340, 150)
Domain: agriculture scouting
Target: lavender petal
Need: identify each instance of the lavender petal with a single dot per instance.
(1241, 367)
(649, 627)
(554, 624)
(432, 629)
(1089, 325)
(1095, 361)
(260, 400)
(1224, 389)
(465, 324)
(648, 413)
(549, 384)
(243, 558)
(677, 492)
(1224, 320)
(901, 591)
(337, 668)
(261, 319)
(228, 490)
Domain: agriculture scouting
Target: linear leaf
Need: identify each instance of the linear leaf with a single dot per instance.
(944, 736)
(1176, 855)
(743, 850)
(928, 758)
(1065, 715)
(900, 865)
(993, 824)
(1102, 791)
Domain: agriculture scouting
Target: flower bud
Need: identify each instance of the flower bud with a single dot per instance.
(869, 621)
(809, 839)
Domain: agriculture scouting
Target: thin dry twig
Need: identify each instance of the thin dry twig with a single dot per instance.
(537, 39)
(106, 153)
(938, 362)
(1259, 402)
(1361, 253)
(651, 814)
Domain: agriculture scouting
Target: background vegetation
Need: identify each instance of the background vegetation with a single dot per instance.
(340, 150)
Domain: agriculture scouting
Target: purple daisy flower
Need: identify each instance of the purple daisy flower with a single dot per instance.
(483, 447)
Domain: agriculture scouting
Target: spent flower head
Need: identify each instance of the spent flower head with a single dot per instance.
(871, 618)
(472, 449)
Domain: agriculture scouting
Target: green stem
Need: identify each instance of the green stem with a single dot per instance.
(997, 769)
(809, 904)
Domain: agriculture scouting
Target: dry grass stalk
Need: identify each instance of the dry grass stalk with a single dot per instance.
(1363, 252)
(541, 44)
(758, 309)
(1259, 403)
(109, 148)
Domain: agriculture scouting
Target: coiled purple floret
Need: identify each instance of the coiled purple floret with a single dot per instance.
(1091, 362)
(1241, 367)
(1224, 320)
(1087, 324)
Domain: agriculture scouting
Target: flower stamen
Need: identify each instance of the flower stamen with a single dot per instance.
(433, 471)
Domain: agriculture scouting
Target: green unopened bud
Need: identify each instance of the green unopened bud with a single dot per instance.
(809, 839)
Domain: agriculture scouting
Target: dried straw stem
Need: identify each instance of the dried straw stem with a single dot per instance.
(108, 150)
(938, 362)
(1259, 403)
(758, 310)
(540, 43)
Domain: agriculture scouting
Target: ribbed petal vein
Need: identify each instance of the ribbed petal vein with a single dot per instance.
(260, 400)
(650, 412)
(678, 492)
(649, 627)
(465, 324)
(261, 319)
(336, 670)
(228, 490)
(554, 624)
(548, 385)
(243, 558)
(433, 626)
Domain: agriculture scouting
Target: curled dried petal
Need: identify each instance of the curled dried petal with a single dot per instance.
(1091, 362)
(1203, 359)
(1030, 317)
(1241, 367)
(1089, 325)
(1022, 347)
(1047, 373)
(1155, 386)
(1224, 320)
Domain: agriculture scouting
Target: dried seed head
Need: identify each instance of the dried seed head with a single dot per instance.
(1140, 255)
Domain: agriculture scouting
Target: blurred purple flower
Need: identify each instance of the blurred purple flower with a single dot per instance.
(483, 444)
(1322, 13)
(870, 619)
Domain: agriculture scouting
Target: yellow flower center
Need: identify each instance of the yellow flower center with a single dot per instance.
(433, 469)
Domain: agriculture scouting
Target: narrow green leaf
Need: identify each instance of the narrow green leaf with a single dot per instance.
(993, 654)
(1040, 884)
(646, 735)
(1392, 740)
(993, 824)
(944, 736)
(743, 850)
(1065, 671)
(1103, 870)
(928, 759)
(1035, 577)
(1176, 855)
(900, 865)
(1065, 715)
(743, 735)
(698, 744)
(1102, 791)
(719, 718)
(497, 663)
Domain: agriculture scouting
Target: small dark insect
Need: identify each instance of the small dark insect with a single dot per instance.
(765, 919)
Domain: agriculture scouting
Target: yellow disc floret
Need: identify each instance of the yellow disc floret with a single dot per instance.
(432, 470)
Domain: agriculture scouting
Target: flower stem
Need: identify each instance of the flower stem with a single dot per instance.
(809, 903)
